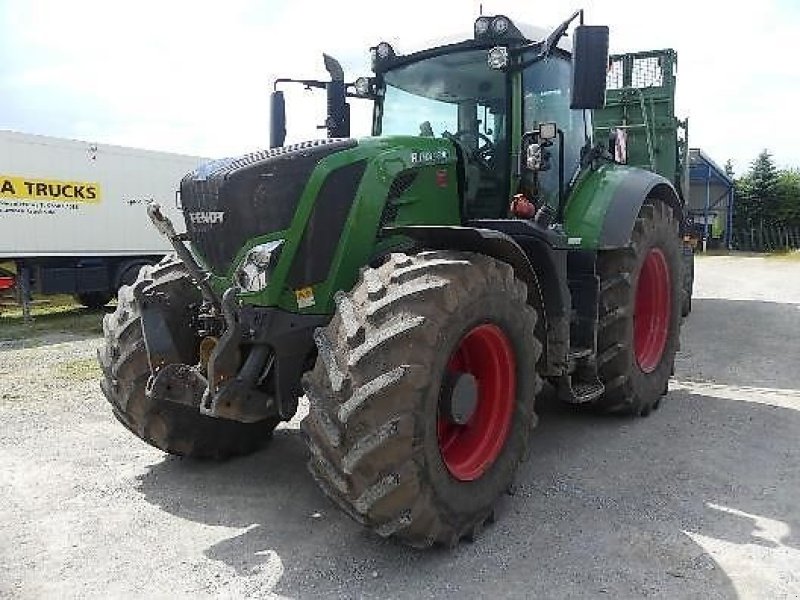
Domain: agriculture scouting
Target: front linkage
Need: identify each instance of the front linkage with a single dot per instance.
(264, 384)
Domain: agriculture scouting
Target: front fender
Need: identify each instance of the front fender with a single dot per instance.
(602, 209)
(538, 268)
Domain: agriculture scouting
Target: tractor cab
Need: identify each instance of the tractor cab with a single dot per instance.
(489, 96)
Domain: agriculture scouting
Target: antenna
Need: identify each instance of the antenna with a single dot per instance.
(480, 9)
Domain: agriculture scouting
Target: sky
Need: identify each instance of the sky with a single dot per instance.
(194, 77)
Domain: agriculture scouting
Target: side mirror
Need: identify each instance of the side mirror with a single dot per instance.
(277, 120)
(536, 146)
(589, 66)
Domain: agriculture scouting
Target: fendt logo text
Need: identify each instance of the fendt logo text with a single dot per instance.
(209, 217)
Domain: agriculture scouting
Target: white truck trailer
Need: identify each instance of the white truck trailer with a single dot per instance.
(73, 217)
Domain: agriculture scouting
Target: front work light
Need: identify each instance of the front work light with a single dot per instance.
(498, 58)
(384, 50)
(381, 53)
(362, 86)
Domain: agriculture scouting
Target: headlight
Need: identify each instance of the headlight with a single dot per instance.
(254, 272)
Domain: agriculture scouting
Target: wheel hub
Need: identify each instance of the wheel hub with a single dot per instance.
(477, 402)
(460, 398)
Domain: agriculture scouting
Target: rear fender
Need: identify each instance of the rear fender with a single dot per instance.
(602, 210)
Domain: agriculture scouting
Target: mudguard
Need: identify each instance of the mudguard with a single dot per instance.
(546, 279)
(471, 239)
(601, 211)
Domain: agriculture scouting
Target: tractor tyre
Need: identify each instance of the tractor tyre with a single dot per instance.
(641, 294)
(94, 300)
(174, 428)
(422, 395)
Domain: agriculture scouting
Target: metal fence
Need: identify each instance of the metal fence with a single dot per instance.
(766, 239)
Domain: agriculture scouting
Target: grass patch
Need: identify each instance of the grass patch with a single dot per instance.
(82, 369)
(786, 255)
(51, 314)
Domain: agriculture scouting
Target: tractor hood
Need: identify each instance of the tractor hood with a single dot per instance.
(227, 202)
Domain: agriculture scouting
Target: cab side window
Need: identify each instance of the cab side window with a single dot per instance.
(546, 97)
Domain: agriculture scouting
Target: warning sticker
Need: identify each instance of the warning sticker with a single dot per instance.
(305, 297)
(34, 189)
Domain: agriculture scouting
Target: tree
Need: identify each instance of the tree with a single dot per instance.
(756, 193)
(763, 177)
(787, 190)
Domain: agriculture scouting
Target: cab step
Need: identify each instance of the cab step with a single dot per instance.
(586, 392)
(579, 392)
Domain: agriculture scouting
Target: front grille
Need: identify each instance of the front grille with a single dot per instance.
(229, 201)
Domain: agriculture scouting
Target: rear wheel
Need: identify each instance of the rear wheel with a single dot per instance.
(422, 396)
(174, 428)
(640, 307)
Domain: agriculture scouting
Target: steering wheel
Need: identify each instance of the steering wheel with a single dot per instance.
(481, 155)
(464, 136)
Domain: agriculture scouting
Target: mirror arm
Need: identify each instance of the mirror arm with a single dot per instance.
(309, 83)
(546, 46)
(558, 32)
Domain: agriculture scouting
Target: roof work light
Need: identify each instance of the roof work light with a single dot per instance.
(499, 27)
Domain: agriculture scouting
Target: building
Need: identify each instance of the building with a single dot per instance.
(711, 201)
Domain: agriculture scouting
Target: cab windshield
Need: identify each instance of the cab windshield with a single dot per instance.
(458, 97)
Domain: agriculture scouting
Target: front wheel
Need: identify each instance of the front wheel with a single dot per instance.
(640, 308)
(421, 400)
(174, 428)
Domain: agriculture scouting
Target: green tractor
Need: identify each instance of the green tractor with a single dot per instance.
(417, 286)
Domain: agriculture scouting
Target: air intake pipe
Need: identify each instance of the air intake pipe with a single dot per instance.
(338, 119)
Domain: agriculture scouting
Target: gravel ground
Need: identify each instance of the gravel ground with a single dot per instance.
(697, 501)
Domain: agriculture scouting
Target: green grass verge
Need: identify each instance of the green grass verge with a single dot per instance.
(51, 314)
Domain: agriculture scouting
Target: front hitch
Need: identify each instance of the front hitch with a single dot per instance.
(231, 392)
(227, 392)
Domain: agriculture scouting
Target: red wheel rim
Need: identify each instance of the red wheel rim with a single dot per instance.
(468, 450)
(653, 309)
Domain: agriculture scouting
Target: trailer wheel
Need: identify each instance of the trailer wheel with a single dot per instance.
(128, 271)
(174, 428)
(94, 300)
(422, 396)
(641, 294)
